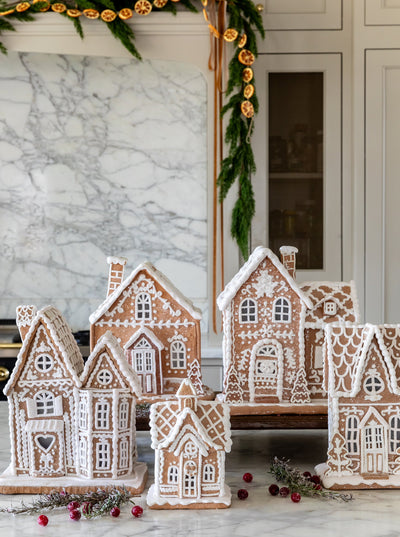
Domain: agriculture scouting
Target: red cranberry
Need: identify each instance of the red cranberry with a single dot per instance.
(307, 475)
(247, 477)
(115, 511)
(284, 492)
(75, 514)
(242, 494)
(295, 497)
(73, 505)
(137, 511)
(273, 490)
(317, 486)
(315, 479)
(42, 520)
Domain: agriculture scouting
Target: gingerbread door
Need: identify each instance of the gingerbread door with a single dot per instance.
(144, 365)
(46, 448)
(264, 372)
(374, 449)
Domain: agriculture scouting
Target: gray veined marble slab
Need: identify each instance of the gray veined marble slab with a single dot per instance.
(99, 156)
(371, 514)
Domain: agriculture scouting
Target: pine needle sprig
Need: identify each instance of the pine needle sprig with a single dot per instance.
(293, 479)
(93, 504)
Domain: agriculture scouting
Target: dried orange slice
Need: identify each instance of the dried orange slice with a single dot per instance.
(247, 109)
(159, 3)
(91, 13)
(248, 91)
(22, 6)
(143, 7)
(74, 13)
(125, 13)
(108, 15)
(246, 57)
(8, 12)
(58, 7)
(230, 35)
(242, 41)
(247, 74)
(175, 0)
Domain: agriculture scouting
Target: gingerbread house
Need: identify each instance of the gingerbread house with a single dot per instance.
(363, 383)
(274, 331)
(158, 328)
(190, 438)
(72, 426)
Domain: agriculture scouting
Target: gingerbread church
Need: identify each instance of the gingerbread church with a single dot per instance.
(72, 425)
(190, 438)
(158, 328)
(363, 383)
(273, 331)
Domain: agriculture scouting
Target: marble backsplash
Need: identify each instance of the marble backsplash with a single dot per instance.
(99, 156)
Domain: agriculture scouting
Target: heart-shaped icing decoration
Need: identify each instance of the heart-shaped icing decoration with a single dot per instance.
(45, 442)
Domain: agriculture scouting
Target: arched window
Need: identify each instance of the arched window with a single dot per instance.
(248, 311)
(394, 433)
(44, 404)
(173, 475)
(178, 355)
(282, 313)
(352, 434)
(143, 307)
(209, 473)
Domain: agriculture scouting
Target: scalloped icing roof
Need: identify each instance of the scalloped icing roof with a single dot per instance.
(343, 293)
(62, 337)
(161, 279)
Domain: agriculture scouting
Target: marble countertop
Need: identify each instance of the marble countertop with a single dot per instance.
(370, 514)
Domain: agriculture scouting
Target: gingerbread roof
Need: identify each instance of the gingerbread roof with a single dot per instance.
(186, 389)
(161, 279)
(143, 331)
(62, 337)
(110, 343)
(211, 420)
(347, 350)
(257, 257)
(342, 293)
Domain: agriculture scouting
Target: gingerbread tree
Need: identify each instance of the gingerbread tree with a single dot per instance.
(300, 393)
(338, 460)
(233, 391)
(195, 377)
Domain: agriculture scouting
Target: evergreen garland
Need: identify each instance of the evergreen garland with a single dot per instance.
(243, 17)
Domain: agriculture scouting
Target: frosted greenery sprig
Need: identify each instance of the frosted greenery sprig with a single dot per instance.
(93, 504)
(295, 481)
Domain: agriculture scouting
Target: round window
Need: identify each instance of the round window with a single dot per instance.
(44, 362)
(104, 377)
(373, 384)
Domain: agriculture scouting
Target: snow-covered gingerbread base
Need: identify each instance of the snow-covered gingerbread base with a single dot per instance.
(26, 484)
(317, 406)
(348, 480)
(155, 501)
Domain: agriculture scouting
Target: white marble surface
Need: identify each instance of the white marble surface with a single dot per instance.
(370, 514)
(99, 156)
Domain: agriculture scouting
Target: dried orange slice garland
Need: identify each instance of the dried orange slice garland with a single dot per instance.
(244, 21)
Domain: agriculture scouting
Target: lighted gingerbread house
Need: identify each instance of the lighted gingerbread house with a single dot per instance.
(274, 332)
(72, 426)
(190, 438)
(158, 328)
(363, 382)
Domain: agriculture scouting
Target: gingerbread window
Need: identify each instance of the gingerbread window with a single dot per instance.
(373, 385)
(178, 355)
(44, 362)
(209, 473)
(102, 415)
(330, 307)
(173, 475)
(248, 311)
(123, 414)
(282, 310)
(394, 433)
(45, 404)
(103, 456)
(124, 454)
(352, 432)
(83, 415)
(83, 452)
(104, 377)
(143, 307)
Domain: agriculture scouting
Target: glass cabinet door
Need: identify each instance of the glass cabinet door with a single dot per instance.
(298, 151)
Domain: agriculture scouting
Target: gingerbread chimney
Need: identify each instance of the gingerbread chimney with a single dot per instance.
(187, 395)
(288, 258)
(116, 273)
(25, 316)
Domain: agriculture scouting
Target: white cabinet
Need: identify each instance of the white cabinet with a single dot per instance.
(302, 14)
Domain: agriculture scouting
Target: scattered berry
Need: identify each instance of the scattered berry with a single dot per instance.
(247, 477)
(284, 492)
(115, 511)
(317, 486)
(73, 505)
(42, 520)
(75, 514)
(307, 475)
(273, 490)
(137, 511)
(242, 494)
(315, 479)
(295, 497)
